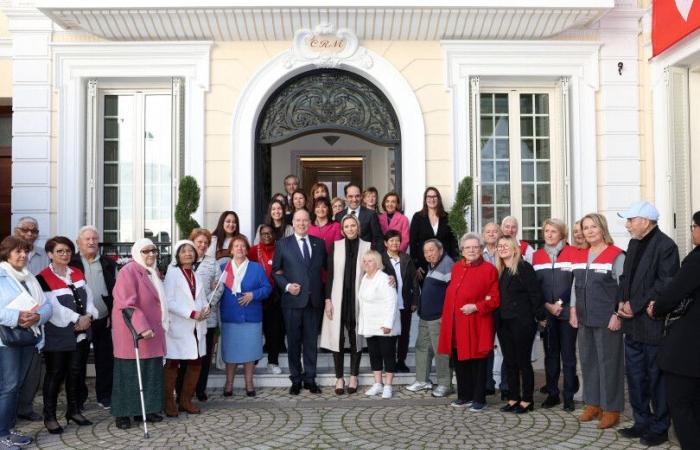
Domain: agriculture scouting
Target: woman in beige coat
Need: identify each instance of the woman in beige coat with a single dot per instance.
(341, 310)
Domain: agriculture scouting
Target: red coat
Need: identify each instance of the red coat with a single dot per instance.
(477, 284)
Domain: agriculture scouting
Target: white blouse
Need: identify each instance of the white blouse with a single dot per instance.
(378, 307)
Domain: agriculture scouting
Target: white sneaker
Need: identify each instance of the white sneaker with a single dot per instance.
(419, 386)
(387, 392)
(376, 389)
(274, 369)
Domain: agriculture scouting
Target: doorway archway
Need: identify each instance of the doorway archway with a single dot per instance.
(328, 101)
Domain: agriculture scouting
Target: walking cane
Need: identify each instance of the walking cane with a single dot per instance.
(127, 313)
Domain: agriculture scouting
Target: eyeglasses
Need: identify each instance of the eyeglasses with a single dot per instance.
(62, 252)
(503, 247)
(29, 230)
(151, 251)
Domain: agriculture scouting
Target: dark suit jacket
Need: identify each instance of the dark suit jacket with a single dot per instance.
(655, 270)
(288, 267)
(421, 231)
(410, 291)
(370, 230)
(109, 272)
(680, 348)
(521, 295)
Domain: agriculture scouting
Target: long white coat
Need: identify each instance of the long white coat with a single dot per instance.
(379, 307)
(180, 338)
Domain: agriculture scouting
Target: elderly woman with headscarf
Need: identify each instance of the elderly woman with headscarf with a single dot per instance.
(186, 335)
(139, 288)
(24, 309)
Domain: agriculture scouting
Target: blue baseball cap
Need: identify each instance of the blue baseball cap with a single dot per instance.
(641, 209)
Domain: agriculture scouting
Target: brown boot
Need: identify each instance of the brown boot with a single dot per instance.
(590, 413)
(169, 379)
(189, 384)
(609, 419)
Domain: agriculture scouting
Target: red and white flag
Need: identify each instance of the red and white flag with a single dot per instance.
(672, 20)
(228, 276)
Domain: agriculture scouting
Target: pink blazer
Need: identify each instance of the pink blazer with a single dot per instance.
(399, 223)
(133, 289)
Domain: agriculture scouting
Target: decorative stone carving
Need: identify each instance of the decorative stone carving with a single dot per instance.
(328, 98)
(325, 47)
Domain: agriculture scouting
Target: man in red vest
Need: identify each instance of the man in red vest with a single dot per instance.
(509, 226)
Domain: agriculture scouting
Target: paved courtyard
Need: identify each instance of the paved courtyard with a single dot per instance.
(275, 419)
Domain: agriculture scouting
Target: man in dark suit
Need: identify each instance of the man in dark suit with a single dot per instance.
(651, 262)
(296, 269)
(369, 222)
(100, 275)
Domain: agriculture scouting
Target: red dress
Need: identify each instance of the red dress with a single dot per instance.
(472, 335)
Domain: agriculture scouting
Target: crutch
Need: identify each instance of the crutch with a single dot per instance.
(127, 313)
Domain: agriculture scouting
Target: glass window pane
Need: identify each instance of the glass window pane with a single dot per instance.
(543, 213)
(503, 194)
(529, 235)
(487, 148)
(528, 171)
(543, 171)
(542, 148)
(111, 151)
(528, 217)
(528, 191)
(487, 174)
(525, 104)
(527, 149)
(111, 174)
(110, 236)
(502, 171)
(111, 219)
(542, 103)
(111, 105)
(501, 103)
(542, 126)
(502, 126)
(487, 214)
(502, 212)
(526, 126)
(543, 194)
(502, 149)
(111, 128)
(486, 103)
(487, 196)
(6, 131)
(111, 197)
(158, 168)
(486, 127)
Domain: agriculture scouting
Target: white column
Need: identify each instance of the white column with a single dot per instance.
(31, 120)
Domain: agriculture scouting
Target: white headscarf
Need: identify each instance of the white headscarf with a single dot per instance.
(176, 248)
(153, 275)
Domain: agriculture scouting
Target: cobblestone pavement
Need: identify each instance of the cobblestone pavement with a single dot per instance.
(274, 419)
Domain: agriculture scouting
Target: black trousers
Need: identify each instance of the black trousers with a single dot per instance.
(64, 367)
(517, 337)
(471, 378)
(302, 335)
(559, 343)
(104, 359)
(355, 353)
(684, 403)
(273, 327)
(402, 349)
(382, 353)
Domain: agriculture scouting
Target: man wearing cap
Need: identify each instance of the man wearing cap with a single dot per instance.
(652, 260)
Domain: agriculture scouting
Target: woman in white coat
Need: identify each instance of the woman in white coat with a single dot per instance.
(379, 321)
(340, 314)
(185, 340)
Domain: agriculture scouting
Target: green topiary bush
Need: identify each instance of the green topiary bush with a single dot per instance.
(187, 203)
(462, 207)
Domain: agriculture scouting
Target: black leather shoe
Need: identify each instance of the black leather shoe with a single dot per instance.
(509, 408)
(551, 401)
(250, 393)
(520, 409)
(653, 439)
(123, 423)
(79, 419)
(569, 405)
(312, 387)
(632, 432)
(295, 389)
(52, 426)
(401, 367)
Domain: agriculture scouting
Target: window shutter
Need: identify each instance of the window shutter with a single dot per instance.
(91, 156)
(475, 146)
(679, 144)
(178, 141)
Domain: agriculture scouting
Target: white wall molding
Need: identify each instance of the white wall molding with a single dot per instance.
(74, 64)
(273, 74)
(536, 61)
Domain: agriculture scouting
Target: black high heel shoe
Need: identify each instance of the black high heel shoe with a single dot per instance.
(520, 409)
(509, 408)
(250, 393)
(228, 393)
(52, 426)
(78, 418)
(340, 390)
(351, 390)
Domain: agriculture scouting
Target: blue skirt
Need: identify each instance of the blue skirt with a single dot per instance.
(241, 342)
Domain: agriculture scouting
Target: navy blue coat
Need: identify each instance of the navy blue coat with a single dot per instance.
(288, 267)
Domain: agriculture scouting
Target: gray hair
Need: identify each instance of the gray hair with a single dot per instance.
(88, 228)
(469, 237)
(510, 218)
(28, 219)
(435, 242)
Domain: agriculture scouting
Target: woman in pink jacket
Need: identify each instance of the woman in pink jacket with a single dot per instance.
(138, 286)
(392, 219)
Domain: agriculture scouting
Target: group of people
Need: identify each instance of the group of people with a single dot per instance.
(355, 273)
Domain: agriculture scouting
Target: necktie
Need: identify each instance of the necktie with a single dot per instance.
(307, 253)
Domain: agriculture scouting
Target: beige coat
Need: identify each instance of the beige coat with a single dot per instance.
(330, 331)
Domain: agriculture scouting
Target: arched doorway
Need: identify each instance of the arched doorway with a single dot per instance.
(330, 105)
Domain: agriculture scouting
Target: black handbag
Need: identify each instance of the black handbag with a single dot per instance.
(678, 312)
(18, 337)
